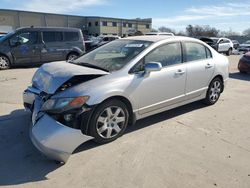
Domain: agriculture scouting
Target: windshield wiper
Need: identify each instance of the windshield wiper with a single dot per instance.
(92, 66)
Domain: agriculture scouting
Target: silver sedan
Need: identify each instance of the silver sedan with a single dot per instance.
(99, 94)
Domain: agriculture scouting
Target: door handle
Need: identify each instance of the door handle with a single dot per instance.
(208, 66)
(179, 72)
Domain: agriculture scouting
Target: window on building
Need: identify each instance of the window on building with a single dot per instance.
(124, 25)
(104, 23)
(129, 25)
(51, 36)
(89, 24)
(114, 24)
(71, 36)
(96, 23)
(147, 26)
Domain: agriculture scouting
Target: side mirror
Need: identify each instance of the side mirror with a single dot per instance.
(153, 66)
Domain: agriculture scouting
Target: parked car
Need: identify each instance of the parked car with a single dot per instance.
(116, 84)
(38, 45)
(245, 47)
(222, 45)
(244, 63)
(106, 39)
(91, 42)
(160, 33)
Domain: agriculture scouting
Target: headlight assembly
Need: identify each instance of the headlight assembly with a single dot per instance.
(64, 104)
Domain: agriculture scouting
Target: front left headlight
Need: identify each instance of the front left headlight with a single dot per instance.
(64, 104)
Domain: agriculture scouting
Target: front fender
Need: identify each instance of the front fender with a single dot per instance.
(104, 96)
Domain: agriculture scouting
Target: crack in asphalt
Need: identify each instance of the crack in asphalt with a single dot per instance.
(6, 79)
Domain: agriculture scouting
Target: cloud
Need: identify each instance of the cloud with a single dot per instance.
(60, 6)
(206, 14)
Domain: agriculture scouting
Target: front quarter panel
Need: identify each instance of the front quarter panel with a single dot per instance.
(103, 88)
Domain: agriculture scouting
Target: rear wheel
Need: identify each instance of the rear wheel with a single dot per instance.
(72, 56)
(4, 62)
(214, 91)
(109, 121)
(229, 52)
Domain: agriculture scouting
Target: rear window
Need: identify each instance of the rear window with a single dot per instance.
(52, 36)
(71, 36)
(195, 51)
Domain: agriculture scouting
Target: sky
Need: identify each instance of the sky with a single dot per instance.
(224, 15)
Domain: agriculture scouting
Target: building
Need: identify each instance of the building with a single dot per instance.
(12, 19)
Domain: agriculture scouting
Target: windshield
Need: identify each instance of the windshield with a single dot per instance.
(7, 36)
(114, 55)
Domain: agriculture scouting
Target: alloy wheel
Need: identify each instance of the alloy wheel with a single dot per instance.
(4, 62)
(110, 122)
(215, 91)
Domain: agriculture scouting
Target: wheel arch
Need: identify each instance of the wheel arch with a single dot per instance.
(222, 80)
(125, 100)
(72, 52)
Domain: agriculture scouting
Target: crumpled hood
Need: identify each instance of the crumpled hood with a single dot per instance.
(49, 77)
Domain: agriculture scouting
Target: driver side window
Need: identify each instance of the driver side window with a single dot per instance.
(24, 38)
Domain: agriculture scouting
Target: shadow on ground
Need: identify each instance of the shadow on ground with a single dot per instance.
(21, 162)
(149, 121)
(240, 76)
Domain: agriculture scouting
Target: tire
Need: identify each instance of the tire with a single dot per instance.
(72, 56)
(241, 71)
(229, 52)
(109, 121)
(4, 62)
(214, 91)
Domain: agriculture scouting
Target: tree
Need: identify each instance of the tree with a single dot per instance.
(247, 32)
(154, 30)
(166, 29)
(229, 33)
(198, 31)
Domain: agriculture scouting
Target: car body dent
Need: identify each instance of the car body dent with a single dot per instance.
(55, 139)
(51, 76)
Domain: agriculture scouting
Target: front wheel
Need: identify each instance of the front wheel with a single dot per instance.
(4, 63)
(109, 121)
(214, 91)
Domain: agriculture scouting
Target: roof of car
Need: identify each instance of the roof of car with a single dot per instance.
(156, 38)
(49, 28)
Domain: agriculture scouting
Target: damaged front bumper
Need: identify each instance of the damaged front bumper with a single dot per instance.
(54, 139)
(51, 137)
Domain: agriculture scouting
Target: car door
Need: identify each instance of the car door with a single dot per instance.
(157, 90)
(25, 47)
(200, 68)
(53, 47)
(223, 45)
